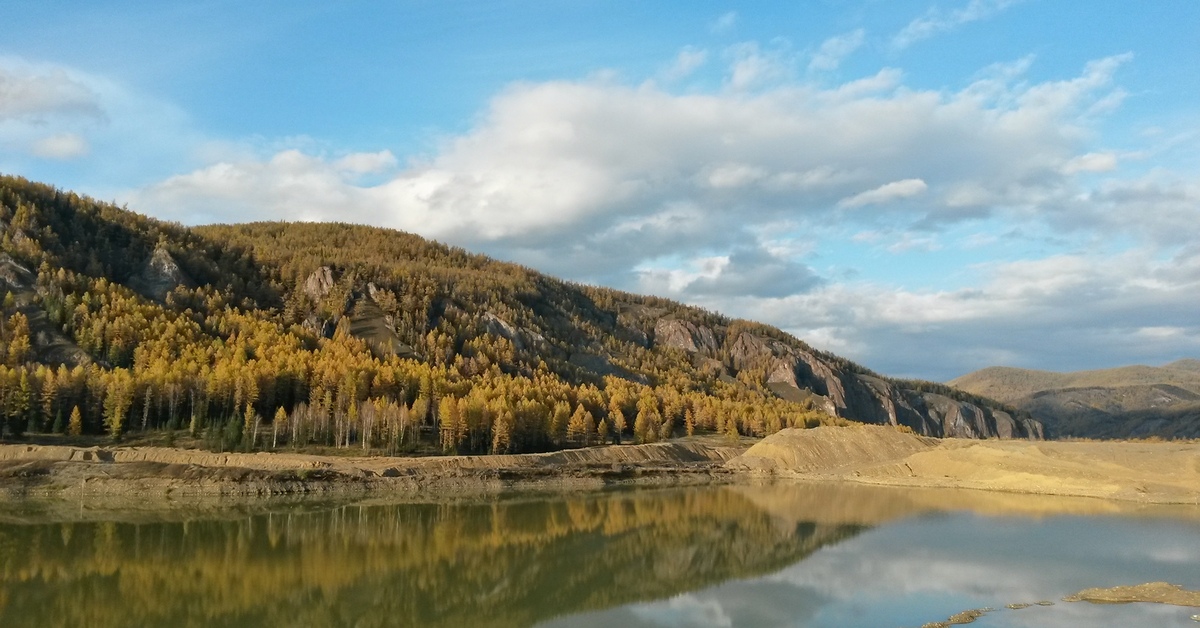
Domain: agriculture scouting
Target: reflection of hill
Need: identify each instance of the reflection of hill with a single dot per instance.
(503, 563)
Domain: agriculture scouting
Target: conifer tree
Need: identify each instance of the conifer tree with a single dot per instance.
(75, 425)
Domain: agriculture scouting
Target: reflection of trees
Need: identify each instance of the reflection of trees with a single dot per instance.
(503, 563)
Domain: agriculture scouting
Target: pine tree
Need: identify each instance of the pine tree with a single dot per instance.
(118, 397)
(75, 425)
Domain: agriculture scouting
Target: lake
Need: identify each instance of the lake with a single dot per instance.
(742, 555)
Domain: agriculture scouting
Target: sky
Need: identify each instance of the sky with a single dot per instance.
(926, 187)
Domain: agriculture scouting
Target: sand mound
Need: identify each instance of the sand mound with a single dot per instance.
(827, 449)
(1166, 472)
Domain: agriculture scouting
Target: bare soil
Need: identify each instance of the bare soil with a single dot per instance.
(1136, 472)
(70, 471)
(1148, 472)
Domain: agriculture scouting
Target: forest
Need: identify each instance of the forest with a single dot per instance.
(296, 335)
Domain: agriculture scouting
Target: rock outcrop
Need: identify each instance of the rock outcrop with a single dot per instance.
(671, 332)
(13, 276)
(797, 374)
(159, 276)
(521, 338)
(319, 283)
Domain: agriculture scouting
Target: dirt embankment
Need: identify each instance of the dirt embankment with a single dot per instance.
(28, 470)
(1147, 472)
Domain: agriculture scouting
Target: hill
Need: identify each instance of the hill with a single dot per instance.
(1126, 402)
(274, 334)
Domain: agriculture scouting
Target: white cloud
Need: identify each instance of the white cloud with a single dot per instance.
(686, 62)
(52, 113)
(936, 21)
(289, 186)
(36, 92)
(1091, 162)
(753, 67)
(367, 163)
(684, 194)
(831, 52)
(555, 173)
(1123, 308)
(886, 193)
(60, 146)
(724, 23)
(752, 271)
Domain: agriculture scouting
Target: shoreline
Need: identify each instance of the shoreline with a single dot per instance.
(68, 472)
(1138, 472)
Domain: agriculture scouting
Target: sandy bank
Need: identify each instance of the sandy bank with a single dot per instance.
(1149, 473)
(1166, 473)
(37, 470)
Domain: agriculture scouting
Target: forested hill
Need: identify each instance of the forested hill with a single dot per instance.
(270, 335)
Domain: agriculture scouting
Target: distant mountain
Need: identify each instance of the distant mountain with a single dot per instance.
(1125, 402)
(345, 335)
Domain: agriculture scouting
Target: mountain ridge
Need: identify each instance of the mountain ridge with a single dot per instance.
(1133, 401)
(350, 335)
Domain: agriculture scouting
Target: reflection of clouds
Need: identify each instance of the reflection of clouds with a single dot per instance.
(685, 610)
(840, 575)
(924, 570)
(978, 561)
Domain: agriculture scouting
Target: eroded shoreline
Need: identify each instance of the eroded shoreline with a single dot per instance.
(1150, 473)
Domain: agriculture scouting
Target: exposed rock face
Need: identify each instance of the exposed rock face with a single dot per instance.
(319, 283)
(13, 275)
(159, 276)
(671, 332)
(791, 371)
(367, 321)
(522, 339)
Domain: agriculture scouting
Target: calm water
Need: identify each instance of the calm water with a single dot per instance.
(785, 555)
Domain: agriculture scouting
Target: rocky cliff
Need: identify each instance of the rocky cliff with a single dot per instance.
(798, 373)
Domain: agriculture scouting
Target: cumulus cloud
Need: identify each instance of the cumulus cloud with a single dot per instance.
(717, 198)
(747, 271)
(1066, 311)
(831, 52)
(35, 93)
(580, 158)
(937, 21)
(886, 193)
(61, 146)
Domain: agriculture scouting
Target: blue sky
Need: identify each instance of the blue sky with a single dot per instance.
(926, 187)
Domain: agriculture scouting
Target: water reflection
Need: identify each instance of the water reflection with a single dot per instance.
(507, 562)
(782, 555)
